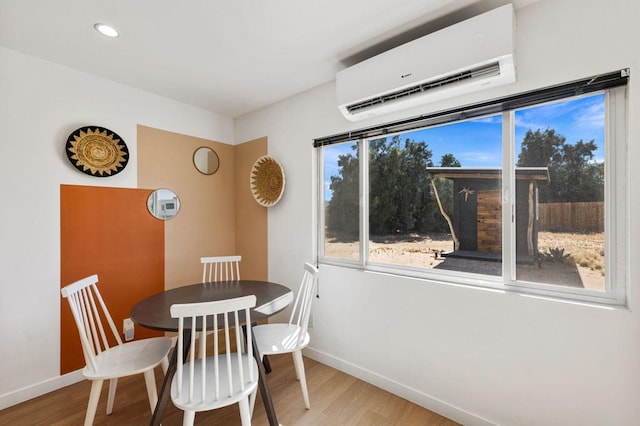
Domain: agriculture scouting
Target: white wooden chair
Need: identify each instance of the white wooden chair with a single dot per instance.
(292, 337)
(220, 268)
(104, 362)
(208, 382)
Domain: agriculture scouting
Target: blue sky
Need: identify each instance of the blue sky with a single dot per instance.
(577, 119)
(478, 143)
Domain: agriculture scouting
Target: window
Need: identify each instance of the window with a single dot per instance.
(424, 188)
(341, 201)
(563, 221)
(529, 199)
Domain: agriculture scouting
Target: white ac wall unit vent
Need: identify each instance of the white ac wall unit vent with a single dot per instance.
(472, 55)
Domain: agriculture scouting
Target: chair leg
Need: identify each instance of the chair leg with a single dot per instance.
(299, 365)
(266, 364)
(252, 401)
(152, 392)
(188, 418)
(113, 384)
(165, 364)
(295, 365)
(245, 412)
(94, 397)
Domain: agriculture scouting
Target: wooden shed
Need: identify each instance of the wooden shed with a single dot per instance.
(477, 210)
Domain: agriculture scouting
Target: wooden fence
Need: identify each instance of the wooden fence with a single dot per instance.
(571, 217)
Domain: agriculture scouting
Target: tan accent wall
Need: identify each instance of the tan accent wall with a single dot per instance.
(213, 208)
(251, 217)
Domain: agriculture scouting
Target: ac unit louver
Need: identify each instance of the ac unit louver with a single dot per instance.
(472, 55)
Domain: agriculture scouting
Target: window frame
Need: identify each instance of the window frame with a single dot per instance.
(616, 215)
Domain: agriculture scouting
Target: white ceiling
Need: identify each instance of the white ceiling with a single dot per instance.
(231, 57)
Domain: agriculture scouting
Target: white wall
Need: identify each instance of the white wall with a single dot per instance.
(477, 356)
(41, 103)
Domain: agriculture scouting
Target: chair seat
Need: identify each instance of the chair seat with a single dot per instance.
(275, 305)
(279, 338)
(129, 358)
(212, 402)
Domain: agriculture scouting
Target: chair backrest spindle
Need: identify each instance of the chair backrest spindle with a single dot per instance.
(220, 268)
(216, 364)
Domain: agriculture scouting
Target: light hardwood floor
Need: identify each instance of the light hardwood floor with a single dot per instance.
(336, 399)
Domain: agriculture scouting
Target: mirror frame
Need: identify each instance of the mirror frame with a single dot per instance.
(153, 201)
(207, 151)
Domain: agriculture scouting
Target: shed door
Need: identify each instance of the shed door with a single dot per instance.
(489, 221)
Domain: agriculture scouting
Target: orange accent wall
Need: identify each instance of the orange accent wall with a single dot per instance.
(216, 218)
(109, 232)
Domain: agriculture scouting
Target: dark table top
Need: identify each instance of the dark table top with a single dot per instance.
(153, 312)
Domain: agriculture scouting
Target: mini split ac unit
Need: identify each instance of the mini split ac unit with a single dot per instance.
(472, 55)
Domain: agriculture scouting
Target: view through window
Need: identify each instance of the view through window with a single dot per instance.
(341, 201)
(563, 224)
(432, 198)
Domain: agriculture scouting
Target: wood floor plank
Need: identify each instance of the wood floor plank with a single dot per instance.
(336, 399)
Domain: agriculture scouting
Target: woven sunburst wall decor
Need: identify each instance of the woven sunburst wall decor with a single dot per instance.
(267, 181)
(97, 151)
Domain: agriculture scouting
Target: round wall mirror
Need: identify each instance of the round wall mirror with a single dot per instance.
(163, 204)
(206, 160)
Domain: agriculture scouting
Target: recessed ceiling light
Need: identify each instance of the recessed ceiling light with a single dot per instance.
(107, 30)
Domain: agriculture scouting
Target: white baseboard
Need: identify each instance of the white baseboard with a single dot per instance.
(38, 389)
(419, 398)
(444, 409)
(33, 391)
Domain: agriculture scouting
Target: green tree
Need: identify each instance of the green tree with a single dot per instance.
(400, 200)
(583, 178)
(541, 149)
(449, 160)
(573, 174)
(342, 218)
(445, 186)
(400, 194)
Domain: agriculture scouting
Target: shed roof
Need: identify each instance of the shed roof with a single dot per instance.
(528, 173)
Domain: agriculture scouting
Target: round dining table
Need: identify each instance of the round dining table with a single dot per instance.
(153, 312)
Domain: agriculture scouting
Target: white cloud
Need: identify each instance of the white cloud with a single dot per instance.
(482, 157)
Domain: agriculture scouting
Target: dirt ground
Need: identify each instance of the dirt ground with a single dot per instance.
(575, 260)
